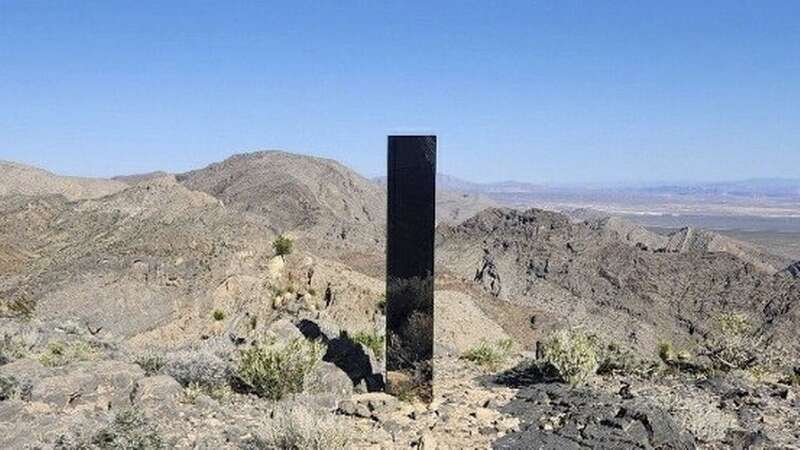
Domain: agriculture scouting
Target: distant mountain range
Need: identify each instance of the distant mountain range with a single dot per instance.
(756, 187)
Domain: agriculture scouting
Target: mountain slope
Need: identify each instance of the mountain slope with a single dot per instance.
(316, 196)
(25, 180)
(587, 275)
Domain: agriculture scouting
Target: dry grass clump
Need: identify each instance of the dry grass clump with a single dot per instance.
(128, 431)
(490, 356)
(59, 353)
(20, 307)
(300, 428)
(273, 370)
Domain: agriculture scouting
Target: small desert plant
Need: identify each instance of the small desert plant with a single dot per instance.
(152, 362)
(128, 431)
(20, 307)
(282, 245)
(59, 353)
(615, 360)
(273, 370)
(732, 344)
(12, 388)
(373, 341)
(382, 305)
(11, 349)
(218, 315)
(195, 390)
(572, 354)
(200, 366)
(671, 355)
(490, 356)
(300, 428)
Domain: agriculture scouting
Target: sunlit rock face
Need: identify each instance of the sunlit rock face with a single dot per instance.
(409, 271)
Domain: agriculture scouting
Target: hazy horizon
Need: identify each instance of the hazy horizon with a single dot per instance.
(456, 178)
(545, 93)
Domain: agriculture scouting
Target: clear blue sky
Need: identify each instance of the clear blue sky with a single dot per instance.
(562, 91)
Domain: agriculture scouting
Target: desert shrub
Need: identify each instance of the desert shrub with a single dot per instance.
(11, 349)
(273, 370)
(300, 428)
(572, 354)
(13, 388)
(373, 341)
(282, 245)
(20, 307)
(152, 362)
(129, 431)
(671, 355)
(614, 360)
(490, 356)
(218, 315)
(195, 390)
(732, 344)
(197, 366)
(680, 360)
(791, 377)
(59, 353)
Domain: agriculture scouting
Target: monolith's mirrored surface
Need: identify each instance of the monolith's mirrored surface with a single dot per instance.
(409, 271)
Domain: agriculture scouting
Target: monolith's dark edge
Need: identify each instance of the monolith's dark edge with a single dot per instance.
(409, 265)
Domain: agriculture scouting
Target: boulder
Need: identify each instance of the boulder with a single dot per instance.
(159, 393)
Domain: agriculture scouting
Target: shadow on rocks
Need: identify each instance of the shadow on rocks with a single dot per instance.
(345, 354)
(556, 416)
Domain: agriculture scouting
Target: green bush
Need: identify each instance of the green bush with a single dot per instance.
(373, 341)
(572, 354)
(218, 315)
(282, 245)
(59, 353)
(272, 371)
(490, 356)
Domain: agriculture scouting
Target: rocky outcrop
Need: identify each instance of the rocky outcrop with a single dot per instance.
(621, 286)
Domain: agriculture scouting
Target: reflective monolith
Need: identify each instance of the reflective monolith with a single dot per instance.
(409, 265)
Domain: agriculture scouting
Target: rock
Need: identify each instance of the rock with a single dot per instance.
(484, 415)
(427, 442)
(159, 393)
(327, 378)
(583, 418)
(102, 383)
